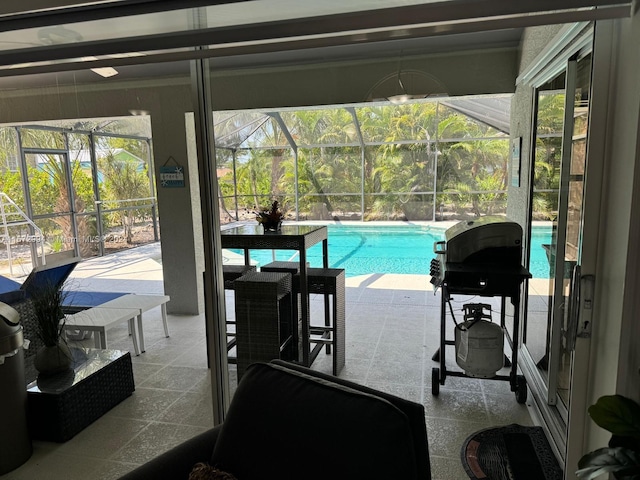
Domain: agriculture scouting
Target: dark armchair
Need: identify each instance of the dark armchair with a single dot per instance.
(290, 422)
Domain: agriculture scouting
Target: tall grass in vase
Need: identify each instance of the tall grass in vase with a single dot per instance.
(54, 356)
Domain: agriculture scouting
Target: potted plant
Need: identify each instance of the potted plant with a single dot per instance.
(54, 356)
(271, 220)
(620, 416)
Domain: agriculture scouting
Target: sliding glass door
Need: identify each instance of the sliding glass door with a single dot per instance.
(557, 330)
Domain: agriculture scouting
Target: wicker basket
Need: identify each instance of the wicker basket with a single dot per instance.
(29, 326)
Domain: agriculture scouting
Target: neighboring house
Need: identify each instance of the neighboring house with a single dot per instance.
(221, 172)
(84, 157)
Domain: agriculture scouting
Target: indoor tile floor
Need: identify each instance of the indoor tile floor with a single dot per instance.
(392, 333)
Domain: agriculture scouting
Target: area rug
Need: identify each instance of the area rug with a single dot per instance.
(512, 452)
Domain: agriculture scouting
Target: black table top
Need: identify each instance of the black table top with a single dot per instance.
(256, 229)
(293, 237)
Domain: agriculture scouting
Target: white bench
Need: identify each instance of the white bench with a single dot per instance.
(142, 303)
(99, 320)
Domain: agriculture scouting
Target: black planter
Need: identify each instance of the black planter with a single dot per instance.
(272, 227)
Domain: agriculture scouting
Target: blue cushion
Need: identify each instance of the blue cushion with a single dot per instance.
(13, 297)
(82, 299)
(8, 285)
(42, 277)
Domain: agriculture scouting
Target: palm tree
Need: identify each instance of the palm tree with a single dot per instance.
(469, 163)
(318, 132)
(548, 152)
(403, 170)
(123, 181)
(253, 177)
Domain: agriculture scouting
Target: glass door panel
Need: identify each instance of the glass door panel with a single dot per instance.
(47, 183)
(574, 216)
(557, 219)
(545, 197)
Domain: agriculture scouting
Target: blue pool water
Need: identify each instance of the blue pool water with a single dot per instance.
(366, 249)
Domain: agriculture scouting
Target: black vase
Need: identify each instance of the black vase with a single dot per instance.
(272, 226)
(52, 360)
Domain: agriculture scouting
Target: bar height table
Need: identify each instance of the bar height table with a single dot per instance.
(290, 237)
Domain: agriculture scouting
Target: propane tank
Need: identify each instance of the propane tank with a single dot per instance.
(479, 344)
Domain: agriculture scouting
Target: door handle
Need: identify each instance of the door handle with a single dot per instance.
(580, 307)
(574, 308)
(587, 287)
(440, 247)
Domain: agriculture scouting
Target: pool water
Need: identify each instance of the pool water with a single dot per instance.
(539, 267)
(366, 249)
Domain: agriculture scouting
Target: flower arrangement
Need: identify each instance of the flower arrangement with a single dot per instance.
(271, 220)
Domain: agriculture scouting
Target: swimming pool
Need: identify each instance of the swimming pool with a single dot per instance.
(408, 249)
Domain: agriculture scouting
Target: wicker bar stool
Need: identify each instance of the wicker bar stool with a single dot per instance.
(264, 327)
(330, 283)
(230, 273)
(296, 305)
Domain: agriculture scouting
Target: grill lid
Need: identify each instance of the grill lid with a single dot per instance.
(467, 240)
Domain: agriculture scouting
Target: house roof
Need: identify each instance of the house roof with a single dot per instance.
(84, 156)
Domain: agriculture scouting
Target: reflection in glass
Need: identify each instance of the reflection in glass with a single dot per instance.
(548, 151)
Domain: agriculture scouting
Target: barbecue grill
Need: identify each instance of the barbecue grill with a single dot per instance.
(480, 257)
(473, 250)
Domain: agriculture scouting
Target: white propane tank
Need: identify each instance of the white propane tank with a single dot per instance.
(479, 348)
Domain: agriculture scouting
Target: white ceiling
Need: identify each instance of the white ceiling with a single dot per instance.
(242, 34)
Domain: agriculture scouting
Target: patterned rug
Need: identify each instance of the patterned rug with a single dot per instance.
(512, 452)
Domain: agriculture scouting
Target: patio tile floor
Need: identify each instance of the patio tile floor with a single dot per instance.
(392, 332)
